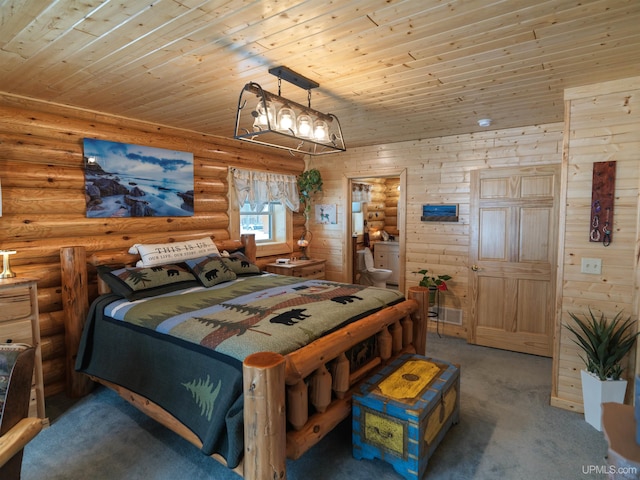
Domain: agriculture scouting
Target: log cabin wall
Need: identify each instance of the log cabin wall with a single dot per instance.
(391, 197)
(603, 124)
(375, 209)
(43, 201)
(382, 212)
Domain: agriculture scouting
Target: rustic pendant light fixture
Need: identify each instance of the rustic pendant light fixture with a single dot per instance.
(274, 121)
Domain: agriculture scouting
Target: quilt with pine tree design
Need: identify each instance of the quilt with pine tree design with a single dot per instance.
(184, 350)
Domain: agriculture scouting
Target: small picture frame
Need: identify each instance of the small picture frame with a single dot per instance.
(440, 212)
(326, 214)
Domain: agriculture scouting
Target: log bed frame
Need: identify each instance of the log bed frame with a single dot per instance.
(277, 388)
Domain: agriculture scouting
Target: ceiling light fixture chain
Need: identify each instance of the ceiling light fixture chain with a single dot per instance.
(281, 123)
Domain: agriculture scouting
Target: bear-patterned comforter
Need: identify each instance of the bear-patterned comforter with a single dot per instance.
(184, 350)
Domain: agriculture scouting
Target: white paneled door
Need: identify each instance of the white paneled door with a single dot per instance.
(513, 249)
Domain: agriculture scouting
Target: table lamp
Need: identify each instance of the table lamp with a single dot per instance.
(6, 268)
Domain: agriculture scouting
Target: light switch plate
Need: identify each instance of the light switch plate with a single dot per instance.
(592, 266)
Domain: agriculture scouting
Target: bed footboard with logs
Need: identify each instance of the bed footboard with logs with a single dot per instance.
(279, 391)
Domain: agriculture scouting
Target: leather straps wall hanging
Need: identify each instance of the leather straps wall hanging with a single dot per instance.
(603, 189)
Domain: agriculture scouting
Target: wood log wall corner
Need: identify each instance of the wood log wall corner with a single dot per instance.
(43, 202)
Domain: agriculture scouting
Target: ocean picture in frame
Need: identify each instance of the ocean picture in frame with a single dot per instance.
(440, 212)
(126, 180)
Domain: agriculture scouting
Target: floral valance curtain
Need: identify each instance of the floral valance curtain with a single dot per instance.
(260, 188)
(360, 192)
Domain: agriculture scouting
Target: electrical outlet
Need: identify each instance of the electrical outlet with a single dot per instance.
(592, 266)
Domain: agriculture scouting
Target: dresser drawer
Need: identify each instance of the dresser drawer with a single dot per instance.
(16, 331)
(15, 303)
(312, 271)
(33, 400)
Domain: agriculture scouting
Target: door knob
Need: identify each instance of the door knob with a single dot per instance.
(475, 268)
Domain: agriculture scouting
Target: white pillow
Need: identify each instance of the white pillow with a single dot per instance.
(162, 253)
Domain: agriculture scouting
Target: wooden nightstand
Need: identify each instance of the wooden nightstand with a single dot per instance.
(19, 324)
(300, 268)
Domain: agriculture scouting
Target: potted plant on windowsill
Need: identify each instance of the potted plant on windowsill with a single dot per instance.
(434, 283)
(605, 343)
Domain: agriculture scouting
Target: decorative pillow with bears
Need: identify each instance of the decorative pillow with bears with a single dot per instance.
(240, 264)
(134, 283)
(210, 270)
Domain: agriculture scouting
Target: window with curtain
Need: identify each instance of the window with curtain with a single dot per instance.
(360, 192)
(259, 188)
(265, 202)
(266, 224)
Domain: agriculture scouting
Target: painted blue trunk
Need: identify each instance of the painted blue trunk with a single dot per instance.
(401, 414)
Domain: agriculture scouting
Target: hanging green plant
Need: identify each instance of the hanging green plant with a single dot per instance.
(309, 183)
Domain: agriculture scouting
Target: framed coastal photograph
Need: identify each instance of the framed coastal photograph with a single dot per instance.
(440, 212)
(125, 180)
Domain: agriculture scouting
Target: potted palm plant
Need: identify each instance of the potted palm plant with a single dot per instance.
(605, 343)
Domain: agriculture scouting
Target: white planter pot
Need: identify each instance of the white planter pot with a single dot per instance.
(595, 392)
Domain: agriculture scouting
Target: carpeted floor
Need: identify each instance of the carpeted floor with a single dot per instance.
(507, 430)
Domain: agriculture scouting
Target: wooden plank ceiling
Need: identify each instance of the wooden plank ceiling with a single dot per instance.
(391, 70)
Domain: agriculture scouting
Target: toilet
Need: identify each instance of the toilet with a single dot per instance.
(368, 274)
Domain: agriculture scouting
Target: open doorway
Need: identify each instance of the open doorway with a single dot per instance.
(377, 219)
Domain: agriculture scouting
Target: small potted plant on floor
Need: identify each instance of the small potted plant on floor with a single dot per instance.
(605, 343)
(433, 283)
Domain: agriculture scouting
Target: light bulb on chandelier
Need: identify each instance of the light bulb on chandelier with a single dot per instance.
(287, 120)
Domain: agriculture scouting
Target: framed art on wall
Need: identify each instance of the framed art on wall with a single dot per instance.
(125, 180)
(442, 212)
(326, 214)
